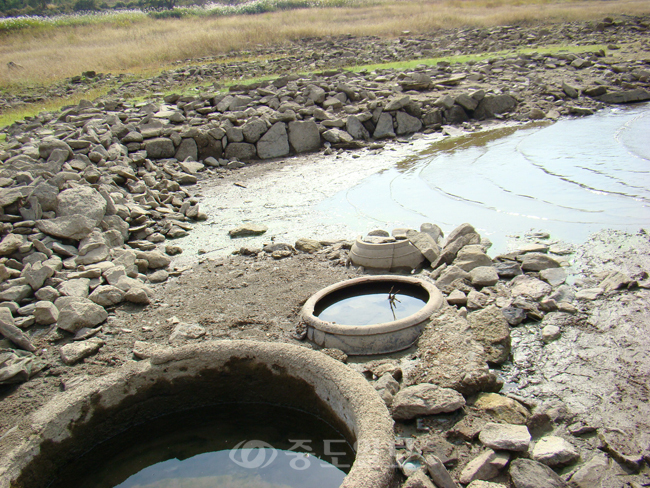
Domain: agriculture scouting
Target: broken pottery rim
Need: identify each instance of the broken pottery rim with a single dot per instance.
(352, 399)
(434, 302)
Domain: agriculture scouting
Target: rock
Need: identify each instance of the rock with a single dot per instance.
(76, 313)
(502, 408)
(155, 259)
(438, 472)
(159, 148)
(553, 276)
(622, 447)
(185, 332)
(537, 261)
(76, 351)
(138, 294)
(253, 130)
(476, 300)
(451, 274)
(450, 251)
(159, 276)
(485, 484)
(494, 105)
(554, 451)
(74, 227)
(569, 90)
(526, 473)
(433, 230)
(107, 295)
(508, 269)
(530, 287)
(485, 466)
(467, 102)
(304, 136)
(308, 245)
(356, 129)
(241, 151)
(187, 149)
(47, 147)
(615, 281)
(599, 471)
(82, 200)
(626, 96)
(419, 479)
(45, 313)
(460, 365)
(15, 293)
(144, 350)
(425, 399)
(75, 288)
(407, 124)
(247, 230)
(191, 167)
(397, 103)
(10, 244)
(550, 333)
(425, 244)
(457, 297)
(36, 274)
(589, 293)
(490, 328)
(484, 276)
(384, 128)
(13, 333)
(387, 382)
(505, 436)
(470, 257)
(275, 143)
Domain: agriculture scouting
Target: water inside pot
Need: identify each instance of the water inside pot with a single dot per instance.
(234, 445)
(372, 303)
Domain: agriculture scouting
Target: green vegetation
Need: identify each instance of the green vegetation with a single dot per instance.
(411, 64)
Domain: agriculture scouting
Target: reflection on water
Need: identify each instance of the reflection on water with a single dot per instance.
(570, 178)
(371, 303)
(243, 445)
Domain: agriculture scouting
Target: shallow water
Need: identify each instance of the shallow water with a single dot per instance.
(569, 178)
(228, 446)
(370, 306)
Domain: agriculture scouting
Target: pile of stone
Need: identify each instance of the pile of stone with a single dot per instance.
(496, 434)
(314, 54)
(85, 215)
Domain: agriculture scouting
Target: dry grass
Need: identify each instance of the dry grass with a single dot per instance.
(149, 45)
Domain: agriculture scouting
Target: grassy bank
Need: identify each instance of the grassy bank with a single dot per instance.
(143, 44)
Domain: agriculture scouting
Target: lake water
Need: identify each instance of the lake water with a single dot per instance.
(568, 178)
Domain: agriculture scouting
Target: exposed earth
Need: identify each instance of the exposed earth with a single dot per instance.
(573, 364)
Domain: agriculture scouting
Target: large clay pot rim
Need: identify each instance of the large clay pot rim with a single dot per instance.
(433, 304)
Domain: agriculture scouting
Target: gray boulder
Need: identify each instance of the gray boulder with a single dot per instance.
(407, 124)
(253, 130)
(526, 473)
(425, 399)
(76, 351)
(425, 244)
(491, 329)
(77, 312)
(494, 105)
(159, 148)
(47, 147)
(356, 129)
(10, 244)
(537, 261)
(626, 96)
(275, 143)
(74, 227)
(472, 256)
(187, 149)
(484, 276)
(107, 295)
(241, 150)
(384, 128)
(82, 200)
(45, 313)
(304, 136)
(505, 437)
